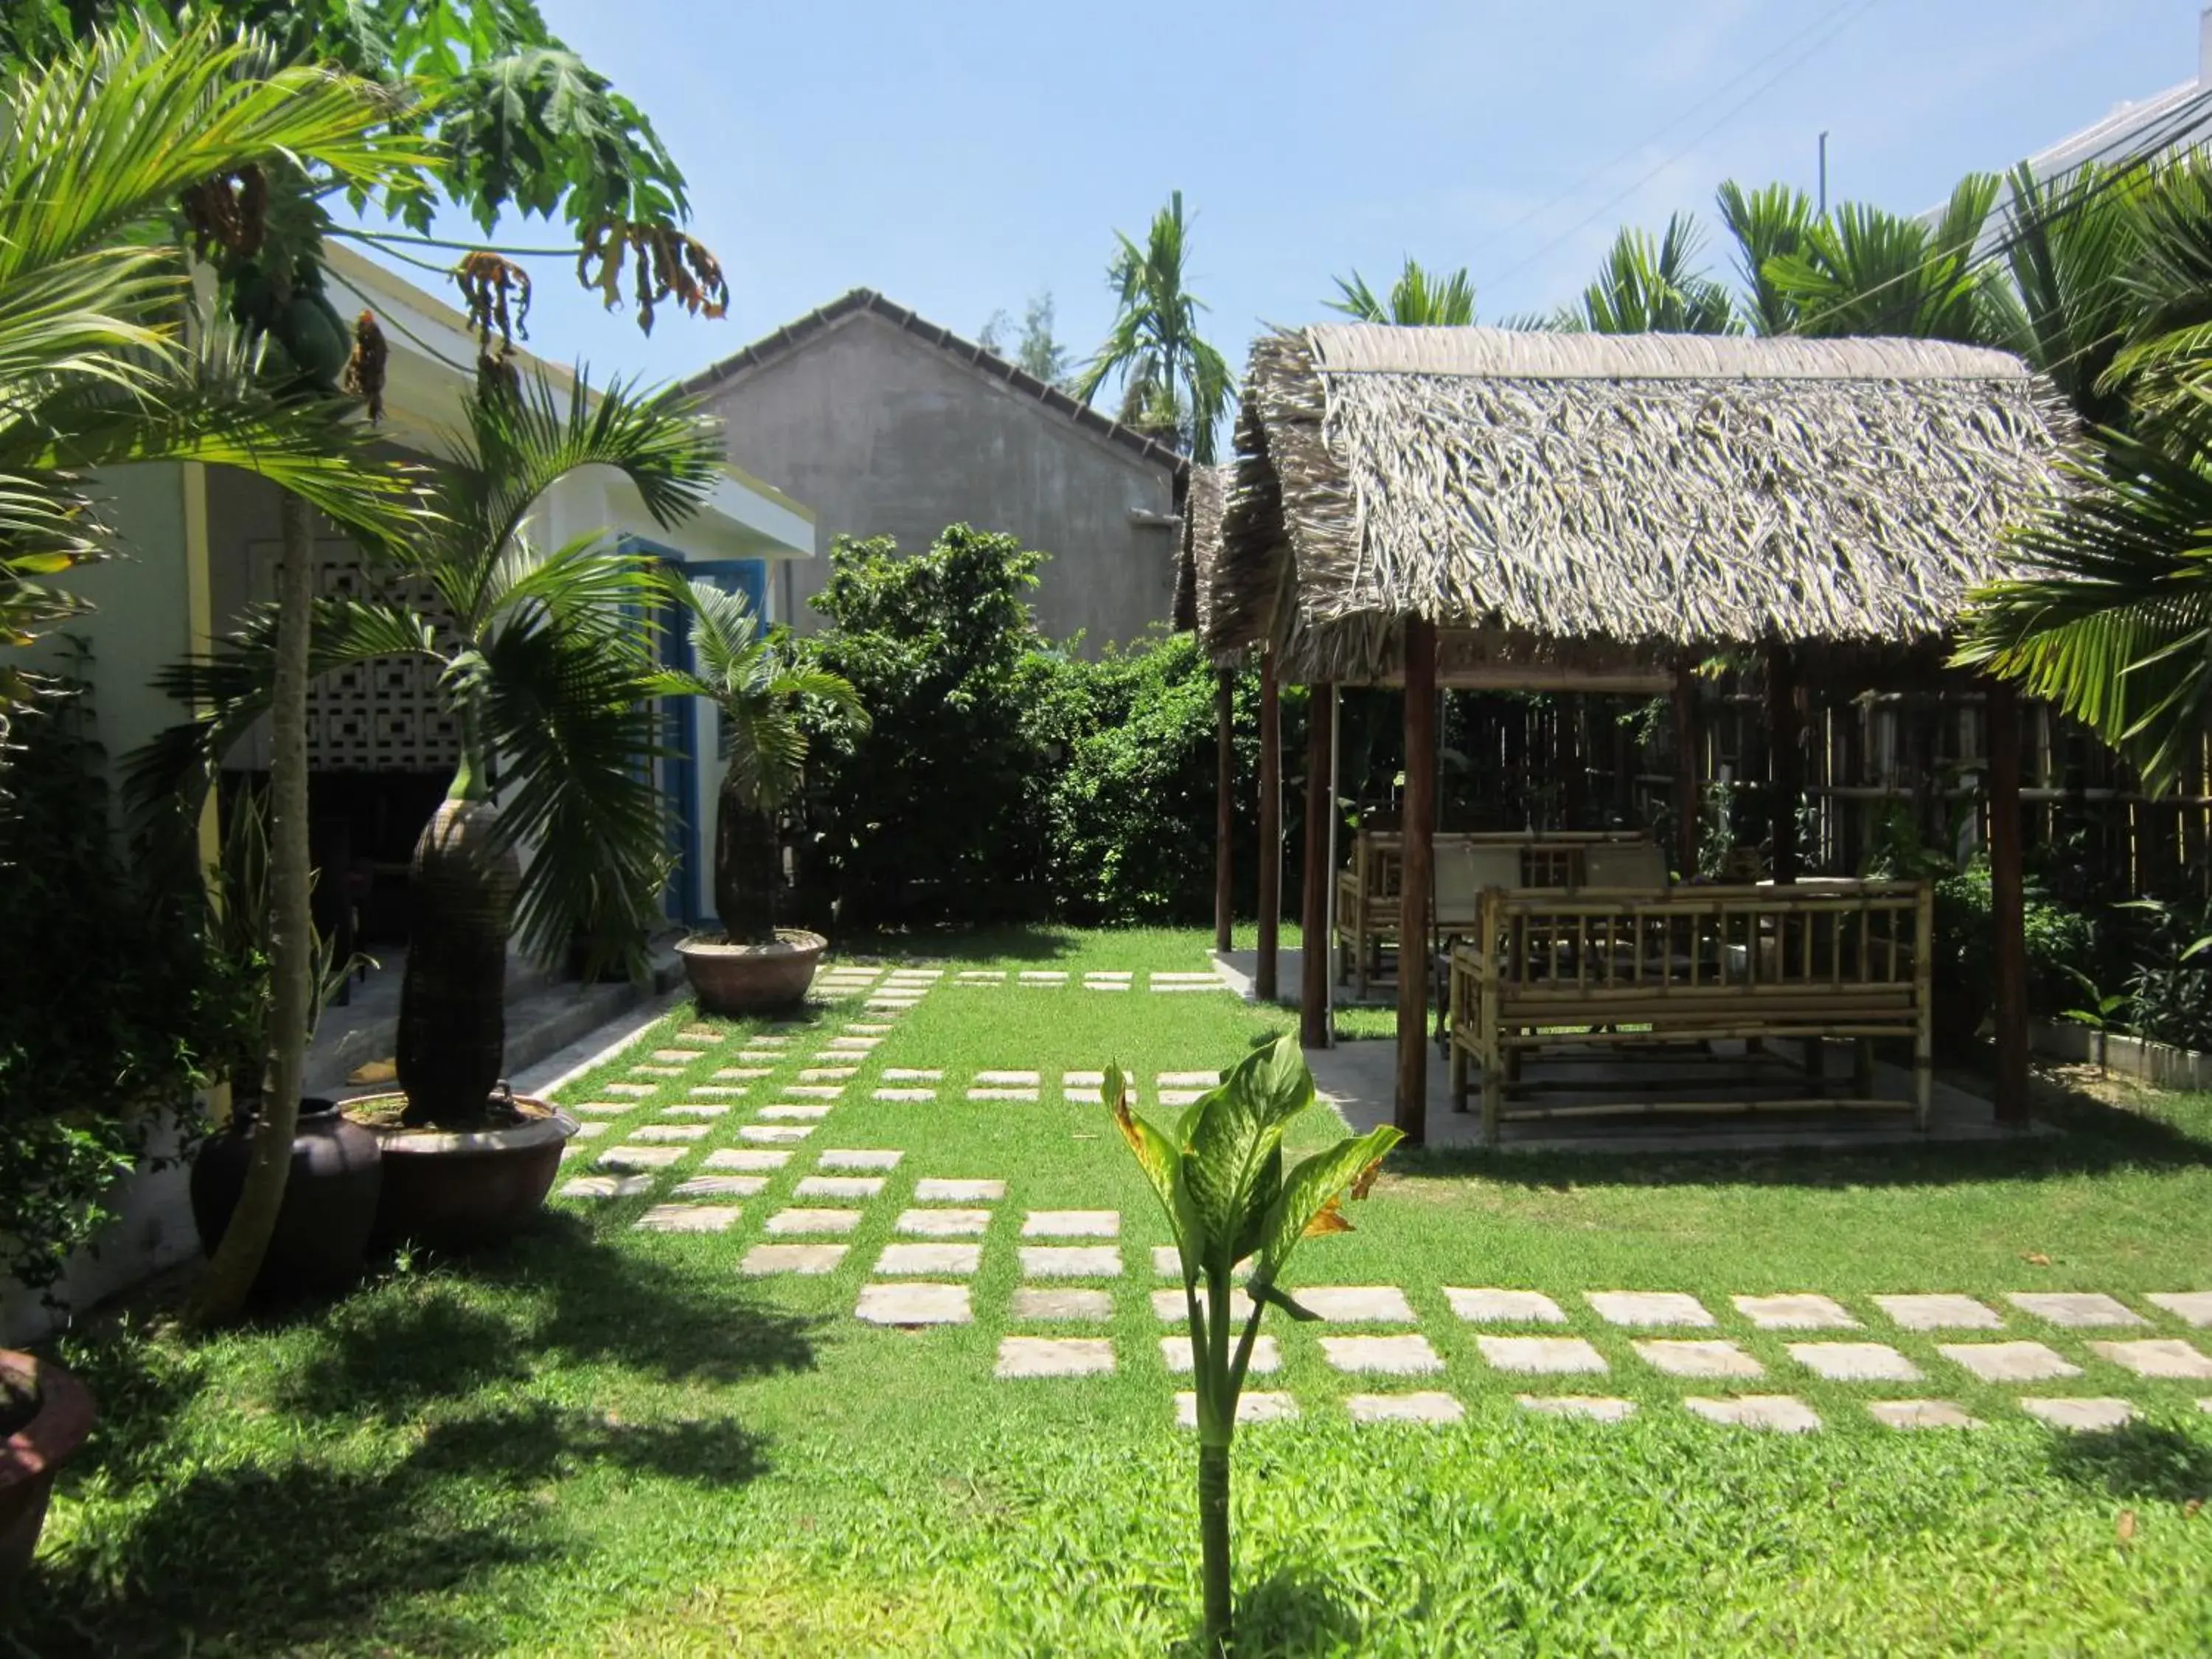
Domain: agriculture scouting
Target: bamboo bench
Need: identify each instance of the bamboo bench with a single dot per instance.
(1619, 971)
(1368, 889)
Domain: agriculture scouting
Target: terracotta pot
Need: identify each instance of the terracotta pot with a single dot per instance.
(34, 1454)
(751, 978)
(458, 1189)
(321, 1241)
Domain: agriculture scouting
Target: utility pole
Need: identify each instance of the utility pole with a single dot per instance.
(1824, 174)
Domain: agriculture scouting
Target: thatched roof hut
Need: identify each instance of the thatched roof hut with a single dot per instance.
(1206, 493)
(1602, 501)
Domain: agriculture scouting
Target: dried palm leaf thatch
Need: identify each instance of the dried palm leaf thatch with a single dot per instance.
(1653, 492)
(1206, 493)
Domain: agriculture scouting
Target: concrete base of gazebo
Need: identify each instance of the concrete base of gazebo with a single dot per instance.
(1360, 1081)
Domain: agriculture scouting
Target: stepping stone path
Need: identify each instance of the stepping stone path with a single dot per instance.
(1940, 1313)
(722, 1187)
(670, 1131)
(1435, 1408)
(828, 1073)
(2074, 1309)
(2081, 1416)
(1071, 1224)
(1683, 1358)
(1795, 1313)
(742, 1073)
(1504, 1307)
(937, 1191)
(1251, 1408)
(943, 1223)
(589, 1131)
(2192, 1307)
(2009, 1361)
(718, 1090)
(2169, 1358)
(813, 1221)
(908, 1095)
(1598, 1406)
(607, 1187)
(689, 1110)
(1855, 1362)
(740, 1157)
(1399, 1356)
(1649, 1308)
(639, 1157)
(919, 1259)
(1055, 1356)
(765, 1259)
(915, 1305)
(783, 1112)
(1920, 1414)
(819, 1186)
(774, 1133)
(1781, 1413)
(640, 1090)
(815, 1090)
(1039, 1302)
(603, 1108)
(845, 1157)
(1265, 1356)
(689, 1218)
(1559, 1354)
(1356, 1305)
(1005, 1079)
(674, 1056)
(1070, 1262)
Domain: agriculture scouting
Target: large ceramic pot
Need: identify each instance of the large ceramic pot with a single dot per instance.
(456, 1189)
(751, 978)
(32, 1455)
(321, 1241)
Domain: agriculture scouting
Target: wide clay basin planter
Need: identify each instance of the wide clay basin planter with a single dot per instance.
(751, 978)
(454, 1189)
(34, 1454)
(321, 1240)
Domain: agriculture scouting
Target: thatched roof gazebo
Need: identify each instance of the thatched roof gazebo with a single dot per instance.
(1485, 506)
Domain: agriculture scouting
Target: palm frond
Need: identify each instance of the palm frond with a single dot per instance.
(1767, 224)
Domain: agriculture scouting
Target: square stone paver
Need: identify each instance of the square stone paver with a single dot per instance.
(742, 1074)
(1005, 1079)
(915, 1305)
(1042, 1302)
(1540, 1353)
(1265, 1356)
(872, 1030)
(1187, 1079)
(828, 1073)
(689, 1218)
(932, 1190)
(742, 1158)
(1690, 1359)
(607, 1187)
(718, 1186)
(759, 1056)
(814, 1091)
(909, 1095)
(1080, 1097)
(1397, 1356)
(1002, 1094)
(1173, 1309)
(2165, 1357)
(819, 1186)
(1780, 1414)
(859, 1158)
(699, 1033)
(1261, 1407)
(2080, 1416)
(1043, 976)
(1178, 1097)
(666, 1132)
(1054, 1356)
(1071, 1224)
(1355, 1304)
(675, 1056)
(1855, 1362)
(1070, 1261)
(943, 1223)
(1418, 1407)
(853, 1045)
(813, 1221)
(1800, 1312)
(656, 1071)
(690, 1111)
(1488, 1307)
(791, 1259)
(1084, 1079)
(721, 1090)
(2077, 1310)
(1940, 1313)
(902, 1259)
(639, 1091)
(2009, 1361)
(603, 1108)
(774, 1134)
(588, 1131)
(1598, 1407)
(1649, 1308)
(782, 1112)
(639, 1157)
(913, 1074)
(2192, 1307)
(1920, 1414)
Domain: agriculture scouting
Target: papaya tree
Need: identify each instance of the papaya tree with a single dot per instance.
(1219, 1174)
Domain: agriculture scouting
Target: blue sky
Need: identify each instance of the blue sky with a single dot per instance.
(962, 156)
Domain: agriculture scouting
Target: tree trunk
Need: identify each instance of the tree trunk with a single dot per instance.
(745, 867)
(453, 999)
(237, 1262)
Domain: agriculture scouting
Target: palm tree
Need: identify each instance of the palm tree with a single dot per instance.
(549, 669)
(1173, 383)
(1863, 270)
(1418, 299)
(1768, 225)
(2073, 250)
(749, 678)
(1646, 287)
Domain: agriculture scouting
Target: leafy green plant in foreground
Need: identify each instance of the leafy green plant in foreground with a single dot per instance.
(1220, 1178)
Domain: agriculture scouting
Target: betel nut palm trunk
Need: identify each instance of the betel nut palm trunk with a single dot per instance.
(747, 858)
(452, 996)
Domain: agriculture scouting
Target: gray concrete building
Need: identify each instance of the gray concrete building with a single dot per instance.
(887, 425)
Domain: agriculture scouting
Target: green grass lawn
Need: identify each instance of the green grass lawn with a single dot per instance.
(602, 1440)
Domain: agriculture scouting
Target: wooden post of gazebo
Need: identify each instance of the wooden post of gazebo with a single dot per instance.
(1686, 766)
(1417, 830)
(2007, 905)
(1313, 955)
(1271, 827)
(1785, 762)
(1224, 803)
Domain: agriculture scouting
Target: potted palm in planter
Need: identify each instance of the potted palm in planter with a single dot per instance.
(750, 676)
(548, 665)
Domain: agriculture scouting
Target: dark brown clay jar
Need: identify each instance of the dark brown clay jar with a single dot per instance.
(34, 1454)
(321, 1241)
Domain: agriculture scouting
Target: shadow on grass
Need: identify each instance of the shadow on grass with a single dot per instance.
(2142, 1460)
(1287, 1613)
(335, 1471)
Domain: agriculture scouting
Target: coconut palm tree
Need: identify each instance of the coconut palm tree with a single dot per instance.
(758, 690)
(1419, 298)
(1173, 383)
(548, 665)
(1648, 287)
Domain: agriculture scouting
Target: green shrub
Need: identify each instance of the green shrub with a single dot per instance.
(2062, 943)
